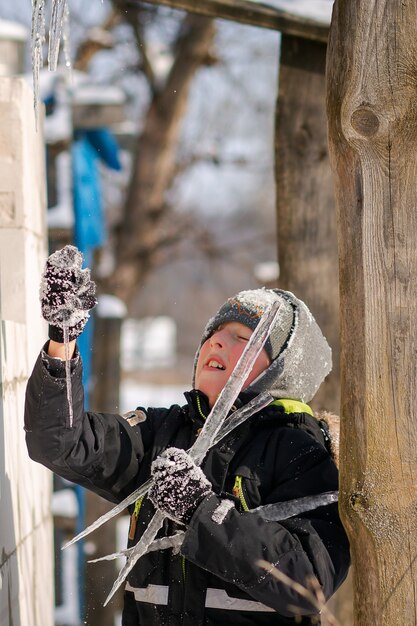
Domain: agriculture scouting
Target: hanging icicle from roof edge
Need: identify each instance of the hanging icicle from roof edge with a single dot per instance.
(58, 28)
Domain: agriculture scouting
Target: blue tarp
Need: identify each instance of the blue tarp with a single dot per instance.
(88, 148)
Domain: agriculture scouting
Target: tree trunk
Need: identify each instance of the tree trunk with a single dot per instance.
(372, 113)
(143, 230)
(307, 241)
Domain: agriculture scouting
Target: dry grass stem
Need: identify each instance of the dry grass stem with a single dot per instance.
(314, 596)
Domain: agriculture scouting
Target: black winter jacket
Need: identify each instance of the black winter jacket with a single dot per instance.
(215, 580)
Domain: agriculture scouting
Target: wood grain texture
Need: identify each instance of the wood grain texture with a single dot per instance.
(372, 116)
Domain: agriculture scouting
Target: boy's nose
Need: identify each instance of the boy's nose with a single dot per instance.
(217, 339)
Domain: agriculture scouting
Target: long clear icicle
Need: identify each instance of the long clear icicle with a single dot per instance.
(255, 405)
(38, 38)
(55, 30)
(234, 385)
(283, 510)
(66, 36)
(143, 489)
(210, 429)
(138, 493)
(164, 543)
(270, 512)
(68, 374)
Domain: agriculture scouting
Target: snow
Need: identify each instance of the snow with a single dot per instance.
(133, 394)
(62, 214)
(110, 307)
(68, 613)
(267, 271)
(13, 30)
(222, 510)
(64, 503)
(148, 343)
(58, 125)
(317, 10)
(97, 94)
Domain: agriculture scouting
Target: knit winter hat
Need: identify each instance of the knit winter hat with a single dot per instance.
(300, 355)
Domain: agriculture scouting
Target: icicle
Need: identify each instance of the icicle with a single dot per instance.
(139, 550)
(38, 38)
(66, 36)
(139, 492)
(241, 415)
(238, 418)
(143, 489)
(234, 385)
(68, 374)
(55, 30)
(283, 510)
(164, 543)
(270, 512)
(210, 429)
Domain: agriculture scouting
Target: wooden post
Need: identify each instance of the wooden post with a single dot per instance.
(306, 217)
(307, 241)
(105, 397)
(372, 112)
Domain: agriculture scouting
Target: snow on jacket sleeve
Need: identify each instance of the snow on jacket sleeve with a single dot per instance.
(101, 452)
(313, 544)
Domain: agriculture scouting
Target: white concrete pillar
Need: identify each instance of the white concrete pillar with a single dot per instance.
(26, 548)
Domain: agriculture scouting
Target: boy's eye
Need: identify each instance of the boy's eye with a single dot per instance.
(243, 338)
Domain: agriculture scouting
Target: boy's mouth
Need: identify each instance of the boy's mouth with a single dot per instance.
(215, 364)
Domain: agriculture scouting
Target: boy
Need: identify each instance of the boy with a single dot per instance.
(277, 455)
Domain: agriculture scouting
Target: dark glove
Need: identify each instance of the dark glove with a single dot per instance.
(67, 293)
(179, 485)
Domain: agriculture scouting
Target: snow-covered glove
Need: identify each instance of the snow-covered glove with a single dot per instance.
(67, 293)
(179, 485)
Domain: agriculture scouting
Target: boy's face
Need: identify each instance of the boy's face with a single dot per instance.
(219, 355)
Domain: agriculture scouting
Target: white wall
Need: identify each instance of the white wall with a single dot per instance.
(26, 554)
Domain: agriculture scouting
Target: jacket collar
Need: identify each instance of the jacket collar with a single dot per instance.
(199, 409)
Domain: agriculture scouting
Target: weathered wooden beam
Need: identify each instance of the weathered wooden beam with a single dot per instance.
(253, 13)
(372, 112)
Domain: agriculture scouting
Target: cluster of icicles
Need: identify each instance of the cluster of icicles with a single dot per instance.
(58, 27)
(215, 428)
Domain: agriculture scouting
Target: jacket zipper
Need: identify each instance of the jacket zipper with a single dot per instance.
(198, 401)
(238, 492)
(134, 518)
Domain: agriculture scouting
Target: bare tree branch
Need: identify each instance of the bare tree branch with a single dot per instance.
(94, 43)
(134, 18)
